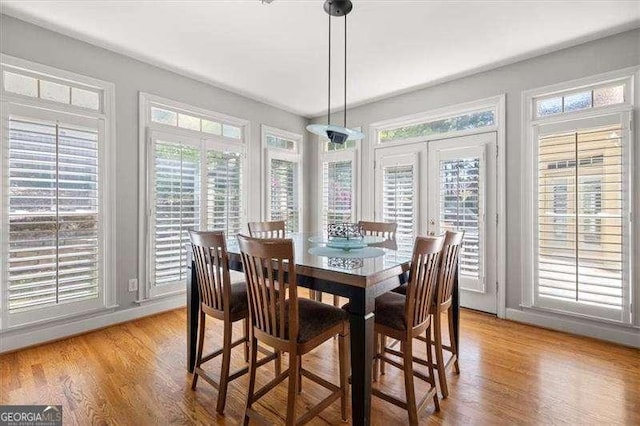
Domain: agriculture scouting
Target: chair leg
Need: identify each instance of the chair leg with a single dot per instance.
(201, 328)
(278, 363)
(224, 372)
(253, 359)
(452, 338)
(409, 387)
(376, 355)
(383, 344)
(343, 354)
(245, 324)
(294, 360)
(336, 301)
(437, 334)
(432, 376)
(299, 374)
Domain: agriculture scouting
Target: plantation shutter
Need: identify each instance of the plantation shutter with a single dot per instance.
(337, 189)
(581, 223)
(284, 193)
(54, 229)
(398, 202)
(176, 208)
(461, 209)
(224, 195)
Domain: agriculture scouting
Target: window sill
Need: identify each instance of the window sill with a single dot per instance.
(160, 297)
(59, 319)
(538, 309)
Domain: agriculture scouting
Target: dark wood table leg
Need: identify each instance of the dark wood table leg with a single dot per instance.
(193, 306)
(361, 320)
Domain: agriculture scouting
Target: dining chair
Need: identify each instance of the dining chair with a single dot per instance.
(380, 229)
(272, 229)
(406, 317)
(289, 325)
(222, 300)
(443, 303)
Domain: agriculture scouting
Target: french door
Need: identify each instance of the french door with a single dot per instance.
(440, 185)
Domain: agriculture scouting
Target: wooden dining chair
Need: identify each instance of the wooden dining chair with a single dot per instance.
(380, 229)
(222, 300)
(443, 303)
(272, 229)
(288, 324)
(405, 318)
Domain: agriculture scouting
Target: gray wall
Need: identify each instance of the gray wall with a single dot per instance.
(599, 56)
(26, 41)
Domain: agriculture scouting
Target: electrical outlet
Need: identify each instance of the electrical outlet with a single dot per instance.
(133, 284)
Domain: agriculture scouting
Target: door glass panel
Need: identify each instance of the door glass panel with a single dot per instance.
(460, 210)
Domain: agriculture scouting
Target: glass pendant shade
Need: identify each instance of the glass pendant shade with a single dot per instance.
(336, 134)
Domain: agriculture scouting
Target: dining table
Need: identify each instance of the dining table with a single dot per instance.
(358, 274)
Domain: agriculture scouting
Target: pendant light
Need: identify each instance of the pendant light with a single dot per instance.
(337, 134)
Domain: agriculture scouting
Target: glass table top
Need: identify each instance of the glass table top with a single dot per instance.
(310, 251)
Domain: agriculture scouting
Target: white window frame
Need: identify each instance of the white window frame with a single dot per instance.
(630, 77)
(148, 130)
(292, 155)
(350, 154)
(54, 111)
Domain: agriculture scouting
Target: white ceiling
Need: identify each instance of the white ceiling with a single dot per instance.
(277, 53)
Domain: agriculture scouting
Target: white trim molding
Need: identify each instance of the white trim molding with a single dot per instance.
(23, 338)
(628, 336)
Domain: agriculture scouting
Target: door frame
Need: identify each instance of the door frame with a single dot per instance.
(498, 103)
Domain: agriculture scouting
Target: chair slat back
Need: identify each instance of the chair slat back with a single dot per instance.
(381, 229)
(212, 268)
(422, 280)
(448, 265)
(273, 229)
(269, 268)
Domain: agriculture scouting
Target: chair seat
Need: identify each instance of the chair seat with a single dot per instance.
(390, 310)
(314, 318)
(401, 290)
(238, 300)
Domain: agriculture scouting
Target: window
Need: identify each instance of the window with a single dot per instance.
(173, 117)
(283, 181)
(195, 176)
(580, 242)
(57, 213)
(337, 192)
(26, 83)
(399, 202)
(177, 207)
(577, 101)
(338, 173)
(458, 123)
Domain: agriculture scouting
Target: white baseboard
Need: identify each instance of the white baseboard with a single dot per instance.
(22, 338)
(617, 334)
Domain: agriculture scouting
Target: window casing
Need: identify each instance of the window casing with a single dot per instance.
(194, 180)
(57, 216)
(580, 240)
(283, 177)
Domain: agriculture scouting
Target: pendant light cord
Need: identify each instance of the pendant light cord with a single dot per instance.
(345, 71)
(329, 97)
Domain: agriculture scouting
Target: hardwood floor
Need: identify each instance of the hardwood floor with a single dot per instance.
(134, 373)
